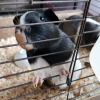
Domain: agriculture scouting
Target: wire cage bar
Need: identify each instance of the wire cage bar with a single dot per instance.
(75, 50)
(41, 2)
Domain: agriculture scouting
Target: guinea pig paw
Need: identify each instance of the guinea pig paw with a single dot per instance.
(63, 72)
(37, 81)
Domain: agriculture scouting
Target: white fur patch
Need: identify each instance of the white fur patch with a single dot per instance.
(93, 21)
(30, 46)
(39, 63)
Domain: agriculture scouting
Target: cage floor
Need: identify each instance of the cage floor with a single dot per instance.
(10, 68)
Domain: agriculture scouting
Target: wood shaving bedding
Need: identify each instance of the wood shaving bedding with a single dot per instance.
(8, 53)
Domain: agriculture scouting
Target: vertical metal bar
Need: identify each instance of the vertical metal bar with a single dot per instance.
(75, 5)
(31, 2)
(72, 65)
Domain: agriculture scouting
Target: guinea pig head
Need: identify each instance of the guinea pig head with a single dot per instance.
(32, 33)
(93, 36)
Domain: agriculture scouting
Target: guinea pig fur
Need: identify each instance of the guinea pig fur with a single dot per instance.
(72, 28)
(41, 32)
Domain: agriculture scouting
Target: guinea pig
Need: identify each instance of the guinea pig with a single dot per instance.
(41, 32)
(72, 28)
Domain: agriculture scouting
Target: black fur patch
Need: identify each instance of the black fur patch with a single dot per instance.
(55, 58)
(91, 37)
(16, 20)
(50, 15)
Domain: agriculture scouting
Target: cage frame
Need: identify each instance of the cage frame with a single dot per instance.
(74, 58)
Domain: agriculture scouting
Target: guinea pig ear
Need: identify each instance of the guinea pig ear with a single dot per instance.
(75, 24)
(16, 19)
(50, 15)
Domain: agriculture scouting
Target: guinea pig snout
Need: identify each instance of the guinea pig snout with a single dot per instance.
(21, 39)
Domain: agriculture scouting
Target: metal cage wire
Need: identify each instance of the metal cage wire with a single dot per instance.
(74, 58)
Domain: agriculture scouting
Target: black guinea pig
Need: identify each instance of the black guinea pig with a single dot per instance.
(72, 28)
(33, 33)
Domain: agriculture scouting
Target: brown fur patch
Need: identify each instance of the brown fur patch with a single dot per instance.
(20, 39)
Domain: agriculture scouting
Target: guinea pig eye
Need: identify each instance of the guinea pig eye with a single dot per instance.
(42, 18)
(28, 29)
